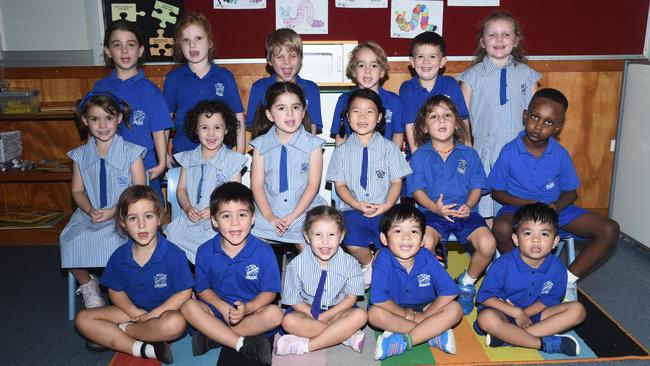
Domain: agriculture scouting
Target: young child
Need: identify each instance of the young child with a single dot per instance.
(321, 286)
(447, 182)
(237, 280)
(148, 279)
(102, 168)
(368, 69)
(367, 172)
(211, 164)
(284, 59)
(534, 167)
(507, 311)
(287, 165)
(199, 79)
(412, 297)
(123, 51)
(427, 59)
(497, 89)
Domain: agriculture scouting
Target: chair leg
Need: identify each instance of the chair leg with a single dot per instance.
(571, 250)
(72, 296)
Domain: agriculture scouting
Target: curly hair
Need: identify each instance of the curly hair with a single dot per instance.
(379, 52)
(207, 108)
(420, 132)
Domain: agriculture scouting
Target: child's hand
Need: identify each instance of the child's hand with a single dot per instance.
(101, 215)
(288, 220)
(137, 314)
(324, 317)
(367, 209)
(279, 225)
(463, 211)
(170, 161)
(379, 209)
(193, 214)
(205, 213)
(237, 313)
(522, 319)
(445, 210)
(144, 317)
(156, 171)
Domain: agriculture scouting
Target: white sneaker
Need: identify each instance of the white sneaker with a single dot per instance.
(356, 341)
(91, 294)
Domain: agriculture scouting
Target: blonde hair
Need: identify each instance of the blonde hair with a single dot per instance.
(518, 54)
(379, 52)
(190, 18)
(283, 38)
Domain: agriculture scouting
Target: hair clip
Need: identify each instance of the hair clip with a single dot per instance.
(91, 94)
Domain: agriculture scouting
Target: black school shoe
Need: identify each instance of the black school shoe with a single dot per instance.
(257, 348)
(94, 347)
(163, 352)
(202, 344)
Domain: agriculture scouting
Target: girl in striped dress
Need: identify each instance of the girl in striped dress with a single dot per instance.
(287, 165)
(213, 125)
(102, 168)
(497, 89)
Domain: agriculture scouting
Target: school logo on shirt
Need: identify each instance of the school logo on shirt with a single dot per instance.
(550, 185)
(548, 285)
(220, 178)
(160, 280)
(304, 167)
(462, 166)
(219, 89)
(524, 89)
(122, 181)
(389, 116)
(381, 174)
(424, 280)
(138, 117)
(252, 271)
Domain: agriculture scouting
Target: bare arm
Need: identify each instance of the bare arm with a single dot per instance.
(566, 198)
(347, 303)
(410, 138)
(257, 186)
(160, 146)
(467, 95)
(78, 191)
(345, 195)
(398, 139)
(213, 299)
(122, 301)
(262, 299)
(174, 302)
(506, 198)
(391, 306)
(138, 176)
(241, 133)
(536, 308)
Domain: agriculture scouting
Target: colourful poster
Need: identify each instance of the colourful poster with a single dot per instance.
(472, 2)
(361, 3)
(303, 16)
(239, 4)
(412, 17)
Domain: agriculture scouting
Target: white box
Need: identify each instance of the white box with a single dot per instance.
(324, 62)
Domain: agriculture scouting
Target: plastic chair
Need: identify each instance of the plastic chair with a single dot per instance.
(173, 176)
(72, 296)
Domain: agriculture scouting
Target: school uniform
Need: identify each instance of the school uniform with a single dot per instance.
(85, 244)
(393, 116)
(510, 278)
(258, 96)
(201, 178)
(454, 178)
(413, 96)
(543, 179)
(495, 123)
(417, 289)
(384, 163)
(282, 203)
(303, 274)
(183, 89)
(165, 274)
(149, 114)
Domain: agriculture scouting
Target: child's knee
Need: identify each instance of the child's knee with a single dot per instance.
(82, 318)
(487, 320)
(291, 321)
(272, 315)
(578, 310)
(486, 245)
(502, 229)
(376, 315)
(172, 324)
(358, 316)
(455, 310)
(611, 231)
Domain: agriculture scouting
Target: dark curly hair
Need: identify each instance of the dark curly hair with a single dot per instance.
(207, 108)
(420, 132)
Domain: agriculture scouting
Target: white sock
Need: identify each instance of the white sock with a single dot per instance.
(240, 342)
(123, 326)
(305, 349)
(148, 350)
(467, 280)
(571, 277)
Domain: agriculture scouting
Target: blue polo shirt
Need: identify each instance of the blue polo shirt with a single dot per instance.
(183, 89)
(509, 277)
(166, 273)
(149, 110)
(252, 271)
(454, 178)
(258, 96)
(390, 102)
(522, 175)
(427, 280)
(413, 95)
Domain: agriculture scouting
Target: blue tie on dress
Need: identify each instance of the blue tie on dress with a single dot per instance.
(315, 305)
(284, 180)
(103, 195)
(503, 87)
(200, 187)
(364, 169)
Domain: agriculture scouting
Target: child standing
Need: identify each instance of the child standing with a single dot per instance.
(427, 59)
(148, 279)
(412, 297)
(237, 280)
(507, 311)
(209, 165)
(367, 172)
(199, 79)
(284, 59)
(497, 89)
(102, 168)
(534, 167)
(368, 69)
(287, 165)
(321, 287)
(123, 50)
(447, 183)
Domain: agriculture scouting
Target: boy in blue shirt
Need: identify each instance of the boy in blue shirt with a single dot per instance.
(520, 301)
(237, 279)
(534, 167)
(427, 59)
(411, 297)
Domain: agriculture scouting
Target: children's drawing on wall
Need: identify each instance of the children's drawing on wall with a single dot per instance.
(303, 16)
(239, 4)
(472, 2)
(411, 17)
(361, 3)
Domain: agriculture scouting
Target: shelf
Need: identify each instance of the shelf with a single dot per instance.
(34, 176)
(40, 116)
(34, 236)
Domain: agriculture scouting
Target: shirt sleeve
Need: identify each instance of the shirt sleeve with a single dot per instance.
(457, 97)
(169, 93)
(380, 289)
(493, 282)
(500, 172)
(232, 98)
(182, 276)
(477, 174)
(468, 76)
(556, 295)
(111, 277)
(335, 168)
(314, 106)
(398, 167)
(269, 279)
(201, 269)
(417, 179)
(444, 285)
(569, 180)
(409, 109)
(254, 99)
(396, 121)
(160, 118)
(336, 118)
(354, 283)
(291, 288)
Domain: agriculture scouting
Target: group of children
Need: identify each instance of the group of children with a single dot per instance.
(454, 134)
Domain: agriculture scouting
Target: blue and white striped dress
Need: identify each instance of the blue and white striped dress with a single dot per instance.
(223, 166)
(385, 164)
(493, 124)
(85, 244)
(299, 150)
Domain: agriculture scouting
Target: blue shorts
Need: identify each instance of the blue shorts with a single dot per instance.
(217, 314)
(535, 319)
(361, 231)
(569, 214)
(461, 227)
